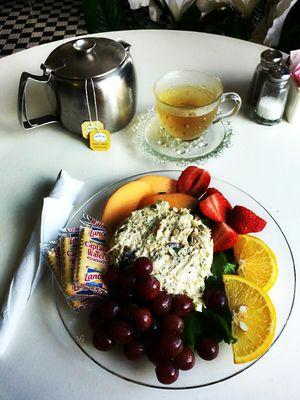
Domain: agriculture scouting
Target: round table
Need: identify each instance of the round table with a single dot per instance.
(42, 362)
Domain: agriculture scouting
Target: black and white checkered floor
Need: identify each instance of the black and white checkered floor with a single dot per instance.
(27, 23)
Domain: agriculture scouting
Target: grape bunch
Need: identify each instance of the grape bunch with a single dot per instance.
(145, 320)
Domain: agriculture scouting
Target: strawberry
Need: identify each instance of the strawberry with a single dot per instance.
(209, 192)
(243, 220)
(193, 181)
(215, 207)
(224, 237)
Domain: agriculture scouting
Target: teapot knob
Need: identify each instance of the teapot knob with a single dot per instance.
(84, 45)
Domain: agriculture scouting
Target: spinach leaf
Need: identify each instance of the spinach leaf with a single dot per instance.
(221, 265)
(194, 327)
(218, 263)
(207, 323)
(215, 282)
(229, 269)
(221, 324)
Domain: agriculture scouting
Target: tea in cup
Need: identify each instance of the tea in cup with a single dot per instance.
(187, 103)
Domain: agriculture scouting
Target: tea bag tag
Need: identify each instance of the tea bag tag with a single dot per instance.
(99, 140)
(89, 126)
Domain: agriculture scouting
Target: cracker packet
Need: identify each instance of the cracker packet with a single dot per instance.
(92, 256)
(69, 241)
(98, 231)
(81, 304)
(51, 251)
(76, 298)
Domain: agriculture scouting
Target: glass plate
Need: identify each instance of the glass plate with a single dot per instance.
(204, 373)
(154, 141)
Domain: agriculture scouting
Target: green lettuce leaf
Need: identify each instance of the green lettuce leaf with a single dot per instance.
(207, 323)
(221, 265)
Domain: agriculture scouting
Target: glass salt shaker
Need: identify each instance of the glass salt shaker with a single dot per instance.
(268, 59)
(271, 103)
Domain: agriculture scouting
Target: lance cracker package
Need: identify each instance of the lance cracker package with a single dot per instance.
(52, 253)
(92, 256)
(69, 241)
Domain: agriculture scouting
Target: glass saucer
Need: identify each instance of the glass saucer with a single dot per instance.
(154, 140)
(204, 373)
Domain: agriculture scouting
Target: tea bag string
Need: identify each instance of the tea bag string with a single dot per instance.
(94, 98)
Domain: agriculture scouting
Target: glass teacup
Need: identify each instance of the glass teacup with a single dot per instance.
(187, 103)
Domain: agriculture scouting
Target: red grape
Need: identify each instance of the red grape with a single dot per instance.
(126, 311)
(125, 294)
(147, 288)
(110, 309)
(121, 332)
(110, 277)
(143, 266)
(215, 299)
(207, 348)
(162, 304)
(134, 349)
(102, 340)
(170, 344)
(154, 330)
(182, 305)
(127, 258)
(185, 359)
(153, 352)
(166, 372)
(127, 279)
(173, 323)
(142, 319)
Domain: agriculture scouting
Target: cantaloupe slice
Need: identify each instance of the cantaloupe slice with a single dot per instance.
(160, 184)
(123, 201)
(178, 200)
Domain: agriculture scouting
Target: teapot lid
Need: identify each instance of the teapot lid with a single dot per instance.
(86, 58)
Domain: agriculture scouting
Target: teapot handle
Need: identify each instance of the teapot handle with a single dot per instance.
(22, 110)
(124, 44)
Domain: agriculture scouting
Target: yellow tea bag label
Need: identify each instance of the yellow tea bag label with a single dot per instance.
(99, 140)
(88, 126)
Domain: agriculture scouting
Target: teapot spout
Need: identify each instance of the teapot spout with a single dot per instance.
(124, 44)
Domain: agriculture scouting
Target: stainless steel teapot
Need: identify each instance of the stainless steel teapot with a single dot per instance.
(90, 79)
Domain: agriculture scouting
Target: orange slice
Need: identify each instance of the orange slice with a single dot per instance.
(254, 318)
(257, 262)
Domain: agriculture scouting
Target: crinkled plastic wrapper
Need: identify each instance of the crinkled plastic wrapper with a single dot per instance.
(78, 260)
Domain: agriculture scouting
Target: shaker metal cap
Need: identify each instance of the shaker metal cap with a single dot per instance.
(85, 58)
(270, 56)
(279, 74)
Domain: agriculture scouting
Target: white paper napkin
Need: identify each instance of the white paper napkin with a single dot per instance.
(56, 210)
